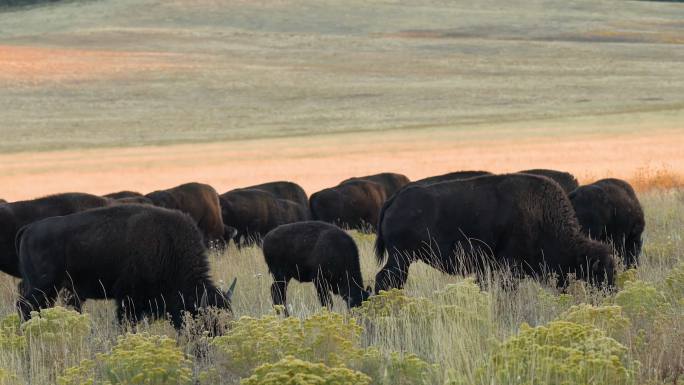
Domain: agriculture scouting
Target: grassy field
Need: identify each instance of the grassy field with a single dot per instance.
(646, 318)
(86, 74)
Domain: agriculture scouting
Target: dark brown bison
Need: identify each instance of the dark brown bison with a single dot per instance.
(354, 204)
(283, 190)
(201, 202)
(15, 215)
(151, 261)
(523, 221)
(315, 252)
(391, 182)
(566, 180)
(609, 210)
(253, 213)
(2, 201)
(123, 194)
(450, 176)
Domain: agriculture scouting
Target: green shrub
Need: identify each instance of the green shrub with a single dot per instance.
(643, 303)
(559, 353)
(10, 339)
(145, 359)
(395, 303)
(57, 326)
(607, 318)
(324, 337)
(135, 359)
(674, 285)
(409, 369)
(626, 276)
(292, 371)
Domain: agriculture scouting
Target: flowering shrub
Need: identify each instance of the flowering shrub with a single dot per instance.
(409, 369)
(674, 284)
(559, 353)
(394, 303)
(7, 378)
(607, 318)
(57, 326)
(135, 359)
(626, 276)
(292, 371)
(324, 337)
(643, 303)
(10, 340)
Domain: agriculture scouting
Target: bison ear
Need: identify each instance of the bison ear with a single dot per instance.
(231, 289)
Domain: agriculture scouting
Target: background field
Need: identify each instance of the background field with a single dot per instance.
(418, 87)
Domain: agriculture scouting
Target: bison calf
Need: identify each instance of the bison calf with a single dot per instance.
(315, 252)
(151, 260)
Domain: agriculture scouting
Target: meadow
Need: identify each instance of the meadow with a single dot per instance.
(440, 329)
(104, 95)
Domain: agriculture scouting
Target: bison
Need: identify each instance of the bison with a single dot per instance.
(201, 202)
(253, 213)
(2, 201)
(566, 180)
(283, 190)
(450, 176)
(391, 182)
(609, 210)
(524, 221)
(151, 261)
(354, 204)
(123, 194)
(317, 252)
(15, 215)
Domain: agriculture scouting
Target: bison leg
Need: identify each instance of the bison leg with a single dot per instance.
(323, 290)
(35, 299)
(394, 274)
(279, 292)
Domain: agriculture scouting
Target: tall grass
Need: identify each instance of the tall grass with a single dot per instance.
(444, 320)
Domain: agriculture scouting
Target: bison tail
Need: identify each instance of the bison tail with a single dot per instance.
(380, 246)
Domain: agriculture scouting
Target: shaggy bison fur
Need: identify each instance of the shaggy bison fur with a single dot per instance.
(283, 190)
(151, 261)
(253, 213)
(201, 202)
(523, 221)
(567, 181)
(15, 215)
(451, 176)
(123, 194)
(317, 252)
(354, 204)
(609, 210)
(391, 182)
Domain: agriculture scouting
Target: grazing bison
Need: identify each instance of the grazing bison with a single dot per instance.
(253, 213)
(123, 194)
(566, 180)
(15, 215)
(315, 252)
(201, 202)
(451, 176)
(524, 221)
(609, 210)
(390, 181)
(354, 204)
(151, 260)
(283, 190)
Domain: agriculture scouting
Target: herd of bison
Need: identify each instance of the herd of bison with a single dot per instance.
(149, 252)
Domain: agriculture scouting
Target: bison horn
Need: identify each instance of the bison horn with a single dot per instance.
(231, 289)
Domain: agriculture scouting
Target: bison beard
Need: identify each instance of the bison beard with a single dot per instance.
(150, 260)
(524, 221)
